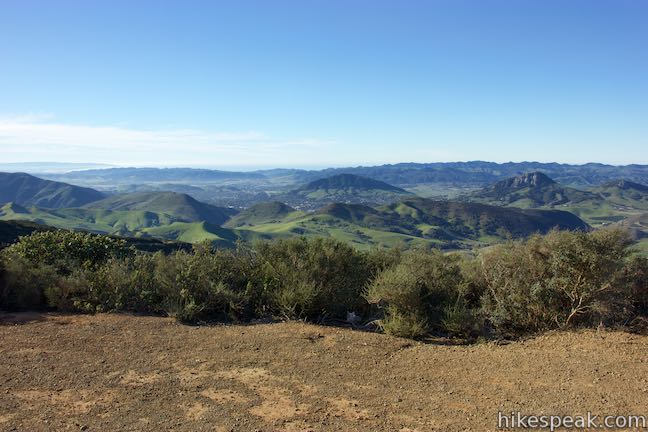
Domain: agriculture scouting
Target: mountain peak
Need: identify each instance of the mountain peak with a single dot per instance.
(534, 179)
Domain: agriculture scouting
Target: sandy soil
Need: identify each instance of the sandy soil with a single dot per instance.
(120, 372)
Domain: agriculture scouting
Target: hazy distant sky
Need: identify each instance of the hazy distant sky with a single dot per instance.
(308, 82)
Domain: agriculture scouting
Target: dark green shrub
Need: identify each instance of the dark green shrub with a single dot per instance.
(203, 285)
(636, 275)
(420, 294)
(312, 278)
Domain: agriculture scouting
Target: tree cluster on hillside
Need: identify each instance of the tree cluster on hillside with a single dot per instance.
(559, 280)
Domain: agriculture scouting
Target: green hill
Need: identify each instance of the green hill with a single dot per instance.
(178, 206)
(531, 190)
(448, 219)
(265, 212)
(349, 188)
(27, 190)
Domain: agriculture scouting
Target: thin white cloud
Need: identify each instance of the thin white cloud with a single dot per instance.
(32, 137)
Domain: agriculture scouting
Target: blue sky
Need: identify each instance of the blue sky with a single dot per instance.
(317, 83)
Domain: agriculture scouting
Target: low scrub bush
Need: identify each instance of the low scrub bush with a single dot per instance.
(559, 280)
(203, 285)
(312, 278)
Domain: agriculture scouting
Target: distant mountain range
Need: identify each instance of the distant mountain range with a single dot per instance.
(474, 173)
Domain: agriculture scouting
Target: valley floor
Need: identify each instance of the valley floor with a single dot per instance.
(120, 372)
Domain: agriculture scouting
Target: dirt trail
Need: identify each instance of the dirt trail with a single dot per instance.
(120, 372)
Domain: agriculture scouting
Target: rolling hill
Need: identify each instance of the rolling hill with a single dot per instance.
(27, 190)
(125, 223)
(178, 206)
(418, 221)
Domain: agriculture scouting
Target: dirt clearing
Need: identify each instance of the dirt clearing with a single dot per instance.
(121, 372)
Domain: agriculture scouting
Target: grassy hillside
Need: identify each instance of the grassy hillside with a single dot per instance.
(266, 212)
(28, 190)
(133, 223)
(179, 206)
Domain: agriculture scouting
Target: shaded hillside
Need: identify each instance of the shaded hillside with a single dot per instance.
(11, 230)
(27, 190)
(531, 190)
(474, 220)
(182, 207)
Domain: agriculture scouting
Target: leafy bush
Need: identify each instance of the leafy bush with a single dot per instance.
(68, 250)
(555, 281)
(636, 275)
(22, 284)
(204, 284)
(304, 278)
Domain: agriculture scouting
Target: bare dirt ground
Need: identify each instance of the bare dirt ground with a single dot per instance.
(121, 372)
